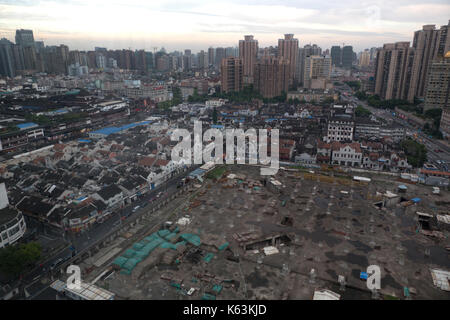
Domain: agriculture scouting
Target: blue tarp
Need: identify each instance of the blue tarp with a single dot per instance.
(26, 125)
(415, 200)
(110, 130)
(197, 172)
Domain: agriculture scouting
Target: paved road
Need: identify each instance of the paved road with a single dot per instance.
(438, 152)
(100, 230)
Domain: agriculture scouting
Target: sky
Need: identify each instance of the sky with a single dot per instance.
(199, 24)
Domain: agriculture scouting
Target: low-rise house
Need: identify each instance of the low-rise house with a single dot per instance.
(133, 187)
(346, 154)
(112, 196)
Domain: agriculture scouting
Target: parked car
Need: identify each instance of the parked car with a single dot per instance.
(56, 263)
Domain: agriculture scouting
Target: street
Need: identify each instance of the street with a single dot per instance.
(438, 153)
(100, 230)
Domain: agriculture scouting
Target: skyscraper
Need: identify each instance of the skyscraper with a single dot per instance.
(317, 72)
(288, 49)
(444, 40)
(364, 58)
(438, 84)
(231, 74)
(220, 54)
(202, 60)
(393, 70)
(428, 44)
(6, 59)
(211, 56)
(347, 57)
(248, 52)
(307, 51)
(271, 76)
(187, 60)
(25, 38)
(336, 56)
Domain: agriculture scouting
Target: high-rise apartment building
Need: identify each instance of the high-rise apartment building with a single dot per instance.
(438, 84)
(271, 76)
(100, 61)
(220, 55)
(211, 56)
(336, 56)
(428, 44)
(231, 74)
(393, 70)
(307, 51)
(187, 60)
(364, 58)
(288, 49)
(317, 72)
(7, 67)
(202, 60)
(347, 57)
(25, 38)
(248, 52)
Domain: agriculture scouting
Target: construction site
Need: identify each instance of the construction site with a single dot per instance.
(296, 235)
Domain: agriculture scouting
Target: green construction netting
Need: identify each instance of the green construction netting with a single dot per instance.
(163, 233)
(130, 264)
(138, 246)
(223, 246)
(217, 288)
(140, 250)
(129, 253)
(208, 296)
(120, 261)
(208, 257)
(170, 235)
(191, 238)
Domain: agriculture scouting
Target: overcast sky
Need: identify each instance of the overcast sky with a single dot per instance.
(196, 24)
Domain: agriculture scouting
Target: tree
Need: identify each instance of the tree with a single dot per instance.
(415, 152)
(362, 112)
(16, 259)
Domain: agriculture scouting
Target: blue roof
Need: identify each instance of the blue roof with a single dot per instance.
(217, 126)
(26, 125)
(197, 172)
(75, 91)
(110, 130)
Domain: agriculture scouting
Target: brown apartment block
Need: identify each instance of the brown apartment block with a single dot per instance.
(288, 49)
(437, 89)
(231, 75)
(428, 44)
(392, 72)
(271, 76)
(248, 52)
(401, 72)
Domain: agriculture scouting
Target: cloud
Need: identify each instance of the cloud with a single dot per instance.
(204, 23)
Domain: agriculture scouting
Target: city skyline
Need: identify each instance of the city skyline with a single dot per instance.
(82, 25)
